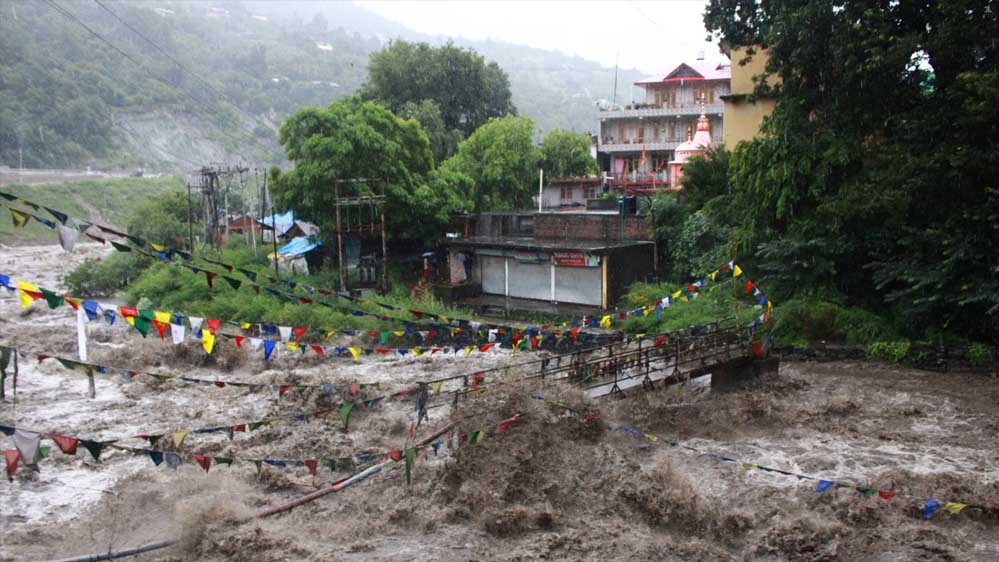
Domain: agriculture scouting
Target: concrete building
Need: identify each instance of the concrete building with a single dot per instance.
(565, 262)
(744, 112)
(637, 141)
(570, 194)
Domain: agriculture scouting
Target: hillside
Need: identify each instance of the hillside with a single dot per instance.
(67, 98)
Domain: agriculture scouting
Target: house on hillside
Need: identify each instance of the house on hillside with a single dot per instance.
(638, 141)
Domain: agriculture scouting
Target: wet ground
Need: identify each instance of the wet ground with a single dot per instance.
(551, 487)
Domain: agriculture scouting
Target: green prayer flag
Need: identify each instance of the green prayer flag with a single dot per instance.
(44, 451)
(473, 436)
(345, 414)
(328, 462)
(252, 426)
(866, 491)
(410, 458)
(234, 283)
(142, 324)
(52, 299)
(120, 247)
(383, 337)
(222, 460)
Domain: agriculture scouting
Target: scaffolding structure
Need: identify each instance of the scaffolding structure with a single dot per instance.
(360, 214)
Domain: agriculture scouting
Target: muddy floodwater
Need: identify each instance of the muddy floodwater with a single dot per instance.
(553, 486)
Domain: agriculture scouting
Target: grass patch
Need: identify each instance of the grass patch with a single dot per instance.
(717, 303)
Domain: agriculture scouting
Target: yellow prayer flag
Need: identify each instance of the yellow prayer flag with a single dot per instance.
(399, 333)
(291, 345)
(162, 317)
(955, 507)
(356, 352)
(207, 340)
(747, 464)
(468, 349)
(639, 336)
(736, 271)
(22, 291)
(605, 322)
(480, 437)
(18, 217)
(73, 301)
(178, 438)
(437, 386)
(714, 274)
(677, 294)
(416, 351)
(330, 333)
(651, 437)
(130, 320)
(244, 325)
(684, 298)
(444, 319)
(158, 247)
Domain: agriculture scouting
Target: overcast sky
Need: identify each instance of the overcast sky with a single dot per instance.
(649, 36)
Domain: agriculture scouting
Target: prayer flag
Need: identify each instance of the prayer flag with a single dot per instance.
(66, 444)
(11, 455)
(20, 219)
(954, 507)
(345, 414)
(736, 271)
(930, 507)
(268, 348)
(355, 352)
(28, 293)
(178, 438)
(204, 461)
(824, 485)
(207, 340)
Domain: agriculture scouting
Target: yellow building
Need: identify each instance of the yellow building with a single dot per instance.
(744, 115)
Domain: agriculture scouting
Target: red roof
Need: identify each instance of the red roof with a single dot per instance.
(691, 71)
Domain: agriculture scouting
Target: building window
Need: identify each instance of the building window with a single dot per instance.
(641, 134)
(589, 192)
(566, 193)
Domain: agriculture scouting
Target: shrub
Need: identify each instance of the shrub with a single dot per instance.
(811, 319)
(979, 354)
(894, 351)
(96, 278)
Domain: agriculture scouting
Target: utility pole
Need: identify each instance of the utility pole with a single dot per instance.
(273, 232)
(190, 220)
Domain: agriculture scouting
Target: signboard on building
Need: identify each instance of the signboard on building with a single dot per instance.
(575, 259)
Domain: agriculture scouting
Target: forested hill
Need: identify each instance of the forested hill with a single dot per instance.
(227, 75)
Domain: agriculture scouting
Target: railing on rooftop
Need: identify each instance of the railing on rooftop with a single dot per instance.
(652, 110)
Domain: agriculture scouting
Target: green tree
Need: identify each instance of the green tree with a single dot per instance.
(353, 138)
(874, 176)
(467, 90)
(501, 160)
(567, 154)
(443, 141)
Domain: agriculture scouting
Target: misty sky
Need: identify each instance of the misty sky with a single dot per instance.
(649, 36)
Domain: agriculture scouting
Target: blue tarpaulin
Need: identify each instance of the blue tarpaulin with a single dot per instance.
(282, 221)
(298, 246)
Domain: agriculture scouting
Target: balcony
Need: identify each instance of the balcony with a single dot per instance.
(650, 110)
(637, 145)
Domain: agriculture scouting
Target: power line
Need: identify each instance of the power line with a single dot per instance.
(162, 50)
(104, 40)
(211, 112)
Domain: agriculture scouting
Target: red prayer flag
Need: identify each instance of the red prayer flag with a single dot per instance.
(204, 461)
(478, 378)
(303, 300)
(220, 384)
(66, 444)
(505, 425)
(574, 332)
(395, 455)
(209, 275)
(239, 341)
(161, 329)
(660, 341)
(485, 347)
(383, 350)
(299, 332)
(11, 456)
(239, 427)
(373, 333)
(283, 389)
(318, 349)
(434, 350)
(213, 324)
(749, 287)
(886, 495)
(312, 464)
(71, 301)
(352, 388)
(534, 341)
(128, 311)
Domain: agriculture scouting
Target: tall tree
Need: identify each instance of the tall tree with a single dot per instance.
(874, 175)
(501, 160)
(467, 90)
(567, 154)
(353, 138)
